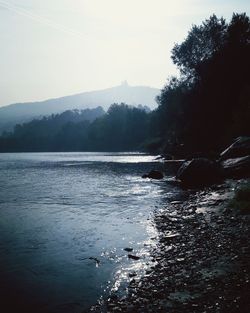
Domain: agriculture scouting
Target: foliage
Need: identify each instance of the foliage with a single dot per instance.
(208, 105)
(200, 45)
(121, 128)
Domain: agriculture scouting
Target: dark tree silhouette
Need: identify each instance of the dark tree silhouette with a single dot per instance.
(208, 105)
(200, 45)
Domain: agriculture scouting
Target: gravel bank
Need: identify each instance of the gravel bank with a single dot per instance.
(201, 261)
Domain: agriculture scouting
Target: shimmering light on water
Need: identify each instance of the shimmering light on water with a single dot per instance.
(60, 212)
(138, 267)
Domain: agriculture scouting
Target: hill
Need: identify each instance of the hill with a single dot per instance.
(23, 112)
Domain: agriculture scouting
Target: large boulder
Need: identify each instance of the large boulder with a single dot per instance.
(198, 172)
(239, 148)
(237, 167)
(154, 175)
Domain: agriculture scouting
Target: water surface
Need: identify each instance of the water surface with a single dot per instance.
(60, 211)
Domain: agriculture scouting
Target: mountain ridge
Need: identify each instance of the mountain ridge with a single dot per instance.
(24, 111)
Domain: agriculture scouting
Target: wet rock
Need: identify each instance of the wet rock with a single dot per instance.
(237, 167)
(199, 172)
(239, 148)
(128, 249)
(180, 260)
(97, 261)
(168, 237)
(154, 174)
(159, 157)
(133, 257)
(175, 202)
(171, 235)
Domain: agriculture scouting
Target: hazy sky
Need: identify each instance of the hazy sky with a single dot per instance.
(52, 48)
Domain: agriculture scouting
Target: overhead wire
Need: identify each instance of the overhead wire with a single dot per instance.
(40, 19)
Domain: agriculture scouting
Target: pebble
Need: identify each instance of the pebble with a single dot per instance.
(133, 257)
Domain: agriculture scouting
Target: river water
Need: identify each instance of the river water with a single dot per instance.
(65, 219)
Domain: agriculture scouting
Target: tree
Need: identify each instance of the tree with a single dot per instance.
(200, 45)
(201, 108)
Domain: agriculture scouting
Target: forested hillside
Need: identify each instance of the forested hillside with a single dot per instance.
(18, 113)
(122, 128)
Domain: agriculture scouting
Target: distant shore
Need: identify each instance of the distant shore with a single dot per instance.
(201, 259)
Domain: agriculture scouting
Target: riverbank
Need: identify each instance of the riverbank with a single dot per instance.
(201, 261)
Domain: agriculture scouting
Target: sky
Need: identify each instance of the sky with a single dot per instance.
(53, 48)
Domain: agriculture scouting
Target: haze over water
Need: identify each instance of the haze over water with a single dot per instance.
(60, 209)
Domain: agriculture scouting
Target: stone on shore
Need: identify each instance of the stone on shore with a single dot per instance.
(237, 167)
(154, 174)
(128, 249)
(198, 172)
(239, 148)
(133, 257)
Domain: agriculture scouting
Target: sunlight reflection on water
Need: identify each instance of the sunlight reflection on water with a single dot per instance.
(138, 267)
(61, 212)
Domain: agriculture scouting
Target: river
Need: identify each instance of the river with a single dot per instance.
(65, 219)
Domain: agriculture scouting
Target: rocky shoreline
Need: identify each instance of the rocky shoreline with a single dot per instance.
(201, 261)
